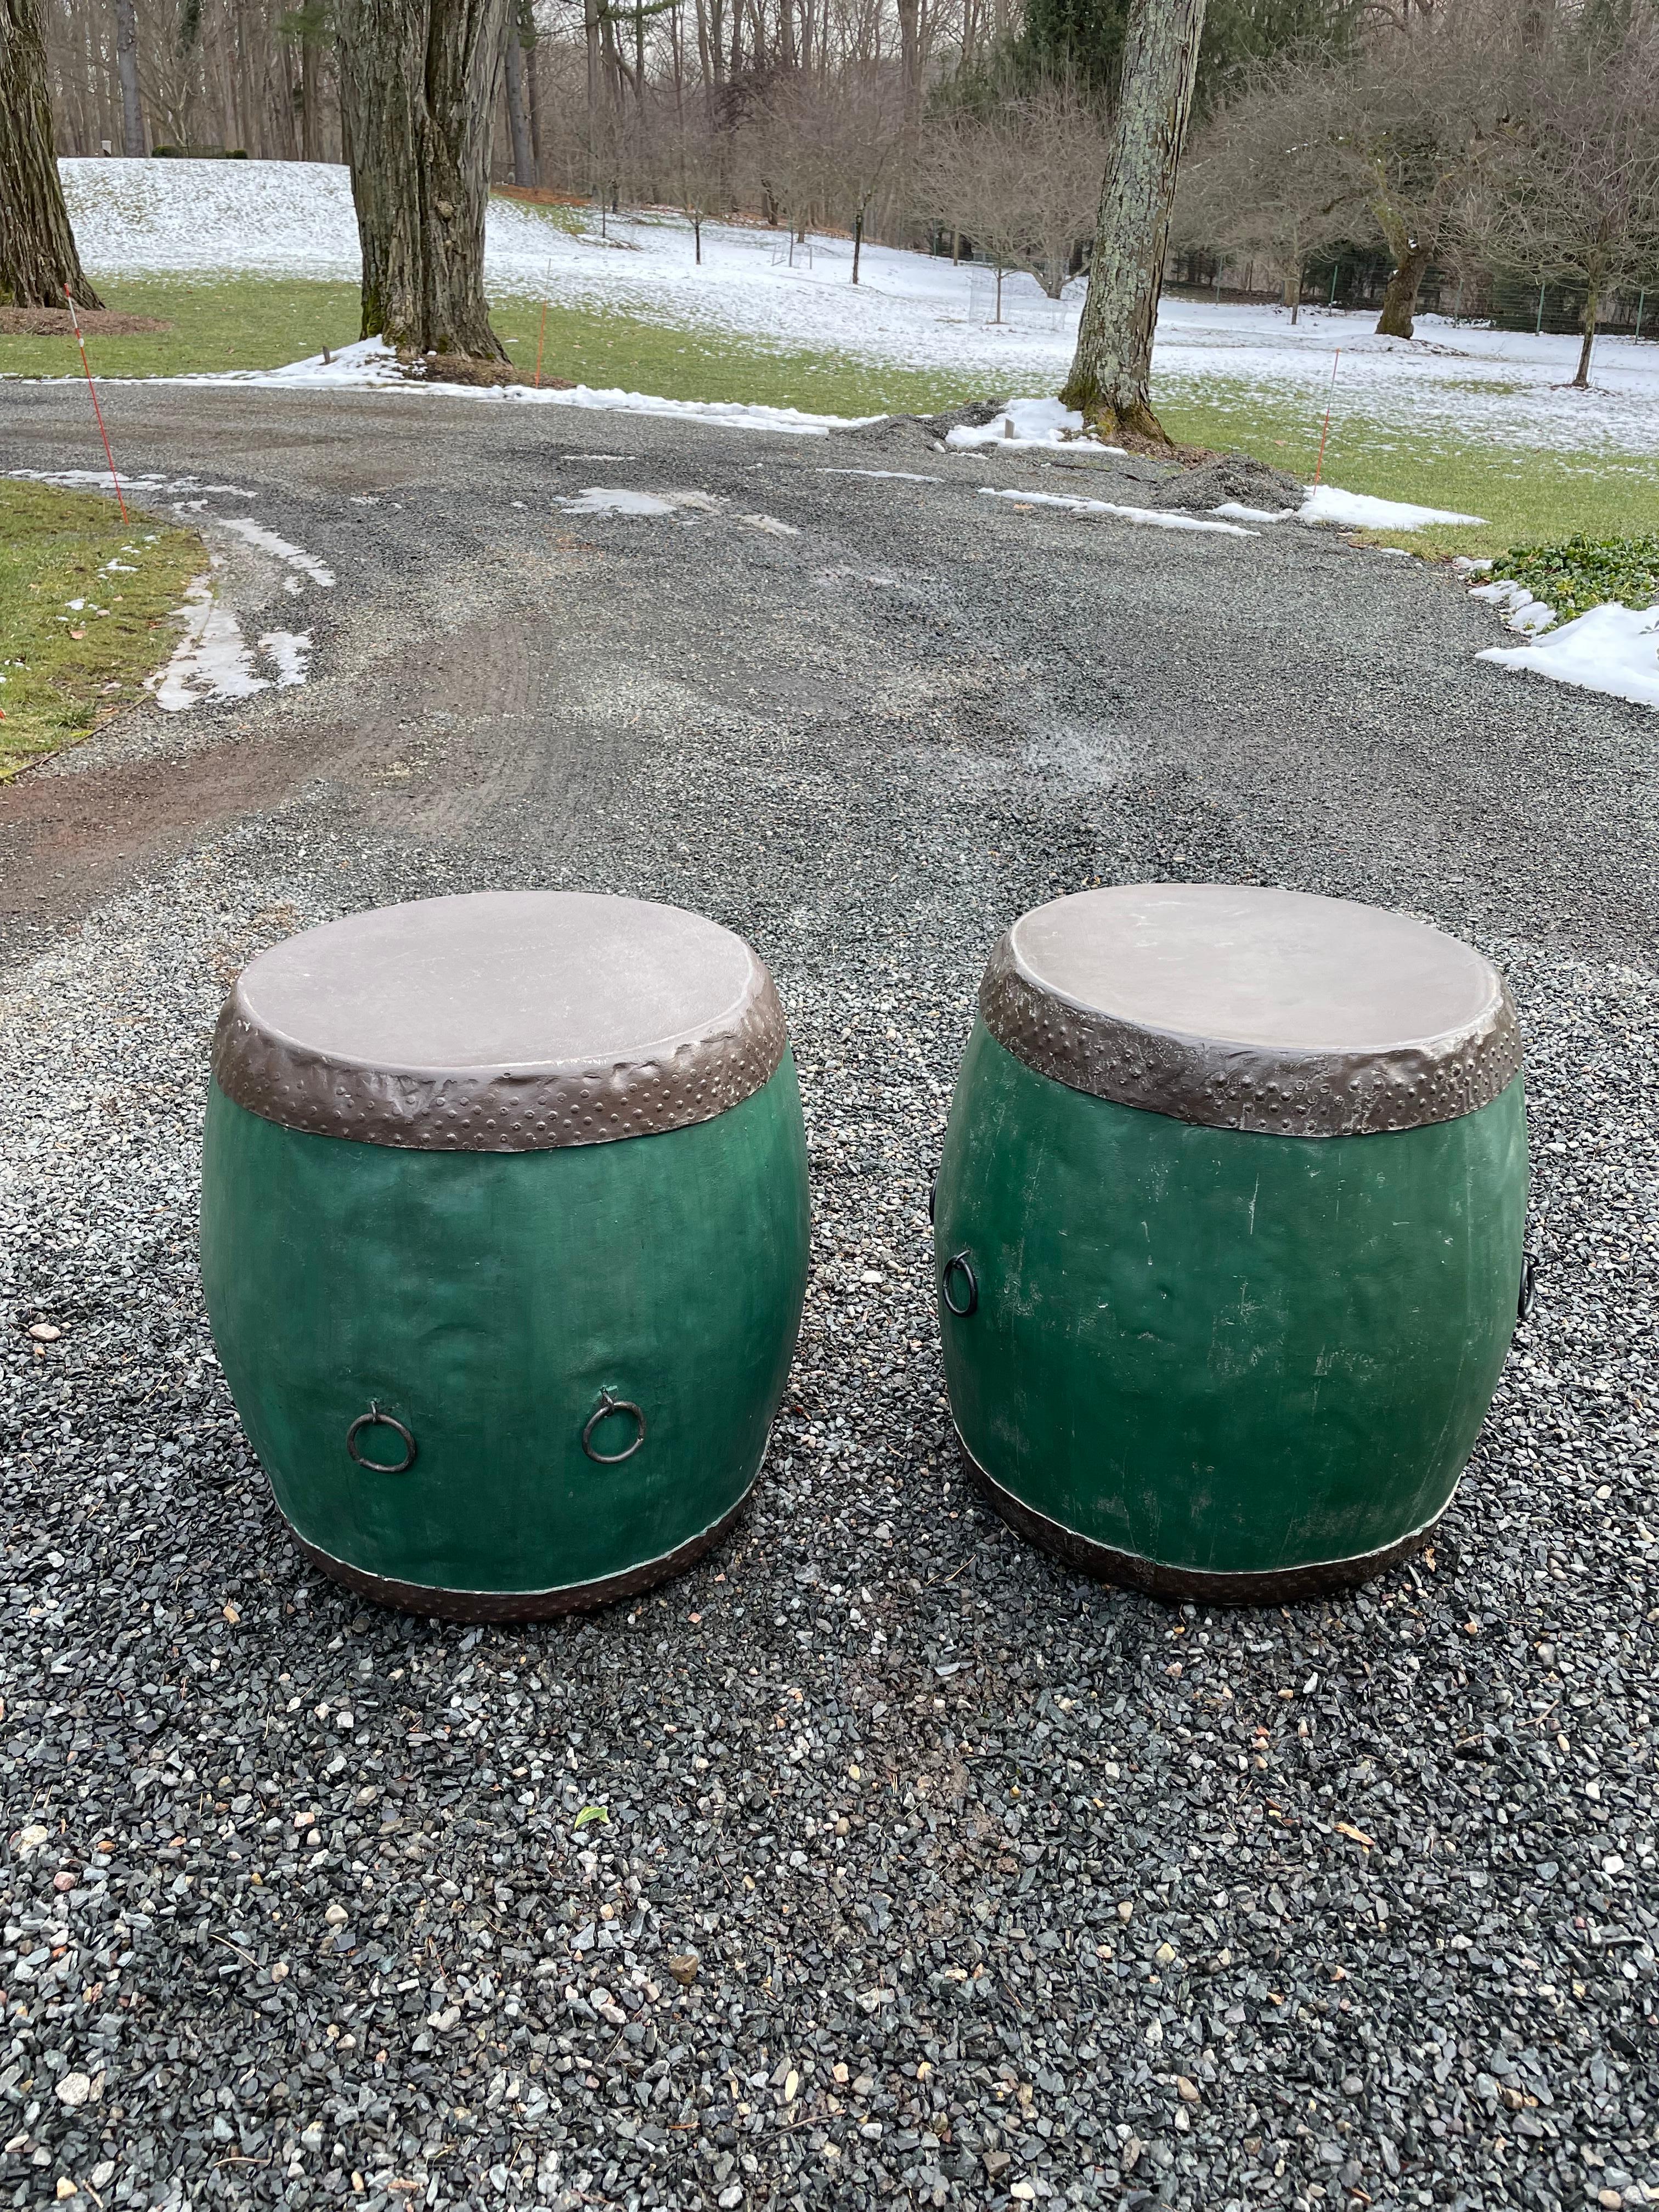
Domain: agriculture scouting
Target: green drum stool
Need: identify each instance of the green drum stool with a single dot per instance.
(1228, 1231)
(504, 1237)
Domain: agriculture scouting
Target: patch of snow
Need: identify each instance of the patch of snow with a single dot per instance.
(1240, 512)
(371, 364)
(1159, 517)
(289, 651)
(1026, 423)
(611, 498)
(1520, 608)
(293, 557)
(212, 661)
(770, 524)
(143, 486)
(1613, 649)
(882, 475)
(1356, 510)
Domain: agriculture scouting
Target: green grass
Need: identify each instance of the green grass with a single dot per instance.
(66, 669)
(599, 347)
(234, 322)
(1522, 494)
(253, 322)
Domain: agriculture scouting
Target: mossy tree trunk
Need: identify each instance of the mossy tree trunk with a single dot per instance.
(1111, 371)
(417, 86)
(38, 255)
(1410, 262)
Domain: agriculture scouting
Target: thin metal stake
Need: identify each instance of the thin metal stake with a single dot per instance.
(542, 332)
(96, 408)
(1324, 433)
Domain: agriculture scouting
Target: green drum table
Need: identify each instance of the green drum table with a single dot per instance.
(504, 1237)
(1228, 1232)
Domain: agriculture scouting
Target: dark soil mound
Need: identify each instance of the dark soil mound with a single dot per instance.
(1226, 477)
(54, 323)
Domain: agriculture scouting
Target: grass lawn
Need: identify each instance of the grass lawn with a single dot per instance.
(85, 609)
(1525, 496)
(254, 322)
(601, 348)
(234, 322)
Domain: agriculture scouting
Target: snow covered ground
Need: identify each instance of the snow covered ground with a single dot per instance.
(294, 219)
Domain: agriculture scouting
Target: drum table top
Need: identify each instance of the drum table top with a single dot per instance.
(1253, 1009)
(505, 1021)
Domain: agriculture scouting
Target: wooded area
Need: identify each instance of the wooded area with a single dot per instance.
(1493, 142)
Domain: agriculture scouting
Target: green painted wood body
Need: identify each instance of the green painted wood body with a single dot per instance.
(1220, 1351)
(487, 1300)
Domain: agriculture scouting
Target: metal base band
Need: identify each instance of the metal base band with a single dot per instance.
(522, 1605)
(1273, 1586)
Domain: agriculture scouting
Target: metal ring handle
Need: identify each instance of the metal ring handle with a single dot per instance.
(374, 1419)
(1529, 1285)
(609, 1404)
(959, 1263)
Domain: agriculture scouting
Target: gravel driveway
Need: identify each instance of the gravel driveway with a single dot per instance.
(927, 1873)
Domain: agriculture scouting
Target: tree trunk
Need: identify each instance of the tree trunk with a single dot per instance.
(417, 85)
(518, 121)
(1405, 282)
(533, 79)
(858, 242)
(1111, 371)
(38, 258)
(1592, 301)
(126, 62)
(310, 137)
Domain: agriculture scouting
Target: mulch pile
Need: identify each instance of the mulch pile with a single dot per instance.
(54, 322)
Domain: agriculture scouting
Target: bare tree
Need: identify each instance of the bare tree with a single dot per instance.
(417, 86)
(1019, 178)
(1576, 194)
(1428, 99)
(38, 258)
(831, 145)
(1267, 178)
(1110, 382)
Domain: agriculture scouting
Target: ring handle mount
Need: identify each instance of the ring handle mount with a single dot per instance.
(374, 1419)
(608, 1405)
(959, 1264)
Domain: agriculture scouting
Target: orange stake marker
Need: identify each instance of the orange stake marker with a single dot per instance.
(1320, 463)
(96, 408)
(542, 332)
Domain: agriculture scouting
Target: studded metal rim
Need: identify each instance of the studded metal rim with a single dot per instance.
(521, 1604)
(1129, 1571)
(1274, 1091)
(284, 1050)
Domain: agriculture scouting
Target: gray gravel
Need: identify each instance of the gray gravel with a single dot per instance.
(984, 1884)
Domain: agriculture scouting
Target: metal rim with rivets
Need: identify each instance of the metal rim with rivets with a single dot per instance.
(1240, 1008)
(501, 1022)
(437, 1604)
(1130, 1571)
